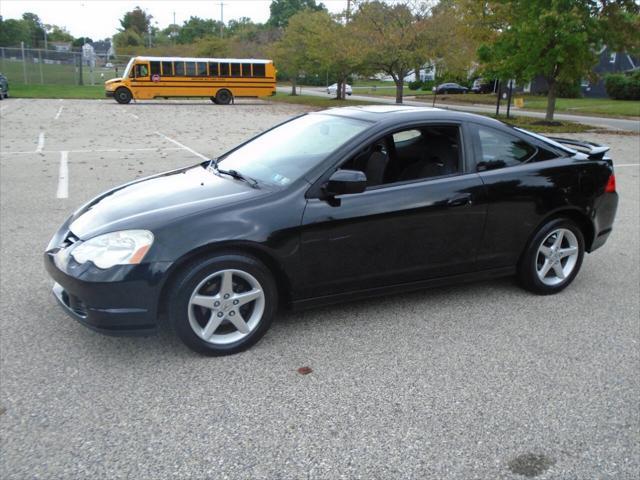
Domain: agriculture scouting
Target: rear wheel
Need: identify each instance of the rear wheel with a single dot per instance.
(224, 97)
(553, 258)
(223, 304)
(123, 95)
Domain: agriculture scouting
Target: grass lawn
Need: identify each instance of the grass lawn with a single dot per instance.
(313, 101)
(56, 91)
(578, 106)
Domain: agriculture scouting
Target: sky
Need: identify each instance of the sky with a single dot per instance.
(99, 19)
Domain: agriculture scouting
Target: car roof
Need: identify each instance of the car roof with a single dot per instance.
(404, 113)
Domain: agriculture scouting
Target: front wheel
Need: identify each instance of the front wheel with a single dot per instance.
(123, 95)
(223, 304)
(213, 99)
(553, 257)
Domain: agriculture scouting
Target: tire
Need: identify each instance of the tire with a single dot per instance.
(224, 97)
(213, 99)
(197, 299)
(548, 267)
(122, 95)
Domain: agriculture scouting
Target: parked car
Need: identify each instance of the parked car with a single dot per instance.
(451, 88)
(330, 206)
(4, 87)
(332, 89)
(481, 85)
(108, 65)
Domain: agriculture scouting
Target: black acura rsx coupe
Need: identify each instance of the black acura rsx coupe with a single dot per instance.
(329, 206)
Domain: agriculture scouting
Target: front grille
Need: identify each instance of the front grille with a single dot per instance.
(69, 240)
(74, 303)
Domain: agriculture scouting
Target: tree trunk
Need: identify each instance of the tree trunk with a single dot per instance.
(293, 87)
(339, 90)
(399, 86)
(551, 99)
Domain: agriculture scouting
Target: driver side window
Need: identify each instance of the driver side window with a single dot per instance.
(142, 70)
(409, 155)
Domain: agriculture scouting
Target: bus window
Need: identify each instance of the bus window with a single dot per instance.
(246, 69)
(213, 69)
(235, 69)
(259, 70)
(202, 69)
(191, 69)
(167, 69)
(155, 68)
(178, 68)
(142, 70)
(224, 69)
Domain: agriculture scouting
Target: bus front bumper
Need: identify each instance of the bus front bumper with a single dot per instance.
(109, 93)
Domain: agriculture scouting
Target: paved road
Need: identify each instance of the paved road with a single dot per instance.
(602, 122)
(452, 383)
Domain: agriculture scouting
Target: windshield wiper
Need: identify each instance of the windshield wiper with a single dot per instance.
(253, 183)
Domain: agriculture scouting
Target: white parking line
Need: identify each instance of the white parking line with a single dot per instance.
(40, 143)
(63, 176)
(134, 116)
(626, 165)
(99, 150)
(190, 150)
(58, 114)
(14, 103)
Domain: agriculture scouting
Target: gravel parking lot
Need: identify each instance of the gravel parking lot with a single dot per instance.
(479, 381)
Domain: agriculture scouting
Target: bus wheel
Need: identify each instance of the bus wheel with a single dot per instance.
(123, 95)
(224, 97)
(213, 99)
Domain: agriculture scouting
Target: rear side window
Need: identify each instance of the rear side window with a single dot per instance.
(224, 69)
(178, 68)
(213, 69)
(155, 68)
(246, 69)
(202, 69)
(235, 69)
(191, 69)
(500, 149)
(258, 70)
(167, 69)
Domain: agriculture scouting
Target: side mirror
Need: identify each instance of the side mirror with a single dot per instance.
(344, 182)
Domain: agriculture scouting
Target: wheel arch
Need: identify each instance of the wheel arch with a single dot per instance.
(283, 281)
(579, 217)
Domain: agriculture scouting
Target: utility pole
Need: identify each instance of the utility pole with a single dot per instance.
(221, 18)
(344, 84)
(174, 28)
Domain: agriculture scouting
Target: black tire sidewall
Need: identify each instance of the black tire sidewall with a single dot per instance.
(193, 274)
(527, 273)
(123, 95)
(223, 97)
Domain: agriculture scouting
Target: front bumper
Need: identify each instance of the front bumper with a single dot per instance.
(109, 93)
(119, 301)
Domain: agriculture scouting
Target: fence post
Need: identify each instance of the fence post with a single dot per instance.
(24, 63)
(2, 51)
(80, 69)
(40, 64)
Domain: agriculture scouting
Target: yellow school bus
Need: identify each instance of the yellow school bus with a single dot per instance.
(220, 79)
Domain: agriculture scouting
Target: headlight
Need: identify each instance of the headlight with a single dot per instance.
(115, 248)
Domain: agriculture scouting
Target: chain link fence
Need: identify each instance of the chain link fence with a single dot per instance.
(30, 66)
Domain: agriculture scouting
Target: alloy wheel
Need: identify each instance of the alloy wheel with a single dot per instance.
(557, 256)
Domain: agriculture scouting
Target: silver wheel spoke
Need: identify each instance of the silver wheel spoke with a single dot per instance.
(205, 301)
(559, 271)
(565, 252)
(546, 251)
(211, 326)
(239, 323)
(226, 284)
(545, 268)
(558, 241)
(246, 297)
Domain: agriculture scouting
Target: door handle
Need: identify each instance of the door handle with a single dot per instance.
(460, 200)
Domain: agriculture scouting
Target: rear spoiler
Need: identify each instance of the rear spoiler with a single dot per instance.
(593, 150)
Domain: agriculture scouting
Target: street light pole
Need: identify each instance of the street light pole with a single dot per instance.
(221, 18)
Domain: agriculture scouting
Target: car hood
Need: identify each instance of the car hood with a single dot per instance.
(113, 80)
(156, 200)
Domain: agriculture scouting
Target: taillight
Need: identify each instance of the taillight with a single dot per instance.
(611, 184)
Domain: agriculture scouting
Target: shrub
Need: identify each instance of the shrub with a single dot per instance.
(623, 87)
(416, 85)
(569, 90)
(428, 85)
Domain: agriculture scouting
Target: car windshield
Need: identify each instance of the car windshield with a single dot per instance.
(284, 154)
(127, 69)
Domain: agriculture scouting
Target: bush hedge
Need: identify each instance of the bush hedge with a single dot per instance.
(623, 87)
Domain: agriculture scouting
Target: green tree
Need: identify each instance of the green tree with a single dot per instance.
(128, 38)
(80, 41)
(212, 47)
(282, 10)
(35, 28)
(196, 28)
(558, 39)
(58, 34)
(12, 32)
(137, 20)
(392, 38)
